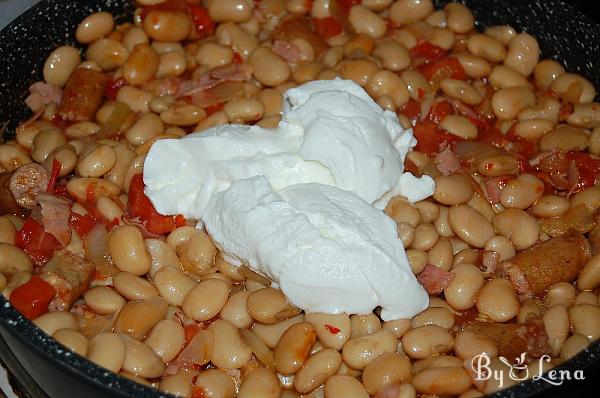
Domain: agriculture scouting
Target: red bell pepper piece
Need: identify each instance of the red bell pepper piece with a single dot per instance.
(112, 88)
(32, 298)
(327, 27)
(202, 22)
(39, 244)
(427, 50)
(56, 166)
(447, 67)
(140, 206)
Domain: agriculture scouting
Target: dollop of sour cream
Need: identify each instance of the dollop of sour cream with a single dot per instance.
(302, 203)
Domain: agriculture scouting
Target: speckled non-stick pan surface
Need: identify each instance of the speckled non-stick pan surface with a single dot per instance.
(563, 33)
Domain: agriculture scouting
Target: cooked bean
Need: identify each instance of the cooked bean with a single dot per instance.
(7, 231)
(475, 67)
(361, 71)
(293, 347)
(363, 325)
(586, 298)
(459, 126)
(14, 260)
(271, 334)
(589, 277)
(136, 99)
(235, 310)
(127, 249)
(440, 254)
(97, 162)
(140, 359)
(486, 47)
(425, 237)
(556, 324)
(550, 206)
(401, 210)
(406, 11)
(344, 386)
(434, 316)
(589, 197)
(571, 81)
(388, 369)
(106, 349)
(167, 338)
(66, 155)
(529, 308)
(508, 102)
(230, 351)
(50, 322)
(389, 84)
(522, 192)
(449, 380)
(171, 64)
(504, 33)
(585, 320)
(270, 306)
(415, 82)
(426, 340)
(326, 324)
(103, 300)
(505, 77)
(269, 68)
(561, 293)
(72, 339)
(566, 138)
(453, 189)
(179, 384)
(547, 71)
(141, 65)
(230, 11)
(260, 383)
(94, 26)
(501, 245)
(229, 34)
(497, 300)
(317, 369)
(468, 345)
(459, 18)
(108, 53)
(183, 115)
(585, 116)
(523, 54)
(44, 143)
(442, 224)
(137, 318)
(60, 64)
(518, 226)
(462, 91)
(573, 345)
(244, 109)
(167, 25)
(133, 287)
(393, 55)
(533, 129)
(470, 225)
(206, 299)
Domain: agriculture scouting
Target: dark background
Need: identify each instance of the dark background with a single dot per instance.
(589, 7)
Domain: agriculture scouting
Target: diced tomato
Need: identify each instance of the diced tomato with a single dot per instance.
(59, 122)
(113, 86)
(524, 147)
(447, 67)
(427, 50)
(81, 224)
(202, 22)
(214, 108)
(56, 166)
(327, 27)
(347, 4)
(33, 297)
(198, 392)
(332, 329)
(237, 58)
(412, 109)
(190, 331)
(493, 136)
(140, 206)
(179, 220)
(439, 110)
(565, 111)
(39, 244)
(588, 167)
(430, 139)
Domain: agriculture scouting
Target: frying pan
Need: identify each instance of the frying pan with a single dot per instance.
(564, 34)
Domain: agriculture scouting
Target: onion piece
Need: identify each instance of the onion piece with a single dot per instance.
(258, 347)
(115, 120)
(198, 351)
(95, 245)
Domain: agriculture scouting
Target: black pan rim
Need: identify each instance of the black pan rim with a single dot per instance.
(26, 332)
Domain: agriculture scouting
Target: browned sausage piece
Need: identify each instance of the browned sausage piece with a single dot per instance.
(82, 95)
(594, 234)
(70, 275)
(558, 259)
(19, 188)
(512, 339)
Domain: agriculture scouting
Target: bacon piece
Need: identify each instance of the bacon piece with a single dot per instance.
(70, 275)
(434, 279)
(214, 77)
(447, 162)
(558, 259)
(56, 211)
(287, 50)
(42, 94)
(26, 182)
(512, 339)
(494, 187)
(297, 27)
(83, 95)
(489, 261)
